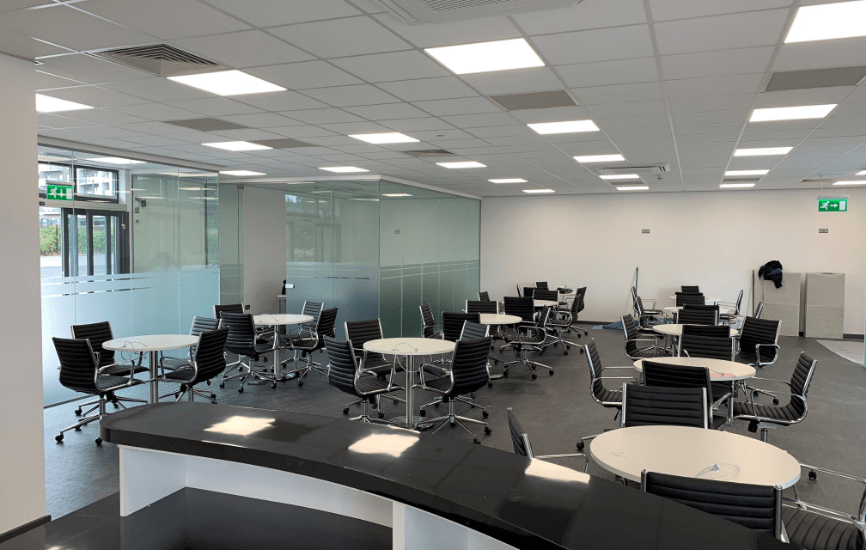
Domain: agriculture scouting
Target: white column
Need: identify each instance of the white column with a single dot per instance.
(22, 452)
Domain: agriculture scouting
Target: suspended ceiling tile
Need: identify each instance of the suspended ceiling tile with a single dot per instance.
(243, 49)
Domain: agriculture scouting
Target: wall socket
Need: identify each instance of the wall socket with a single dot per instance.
(644, 230)
(823, 231)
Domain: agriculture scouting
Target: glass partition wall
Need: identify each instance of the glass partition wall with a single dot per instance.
(123, 241)
(375, 248)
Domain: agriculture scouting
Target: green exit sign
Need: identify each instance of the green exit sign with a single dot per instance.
(832, 205)
(59, 192)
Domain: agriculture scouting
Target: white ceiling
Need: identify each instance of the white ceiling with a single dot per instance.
(667, 81)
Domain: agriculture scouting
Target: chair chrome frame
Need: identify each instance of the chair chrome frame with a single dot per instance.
(522, 348)
(858, 521)
(640, 312)
(655, 340)
(759, 363)
(531, 454)
(438, 400)
(394, 364)
(596, 374)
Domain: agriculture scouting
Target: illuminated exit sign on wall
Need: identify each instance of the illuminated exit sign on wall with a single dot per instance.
(832, 205)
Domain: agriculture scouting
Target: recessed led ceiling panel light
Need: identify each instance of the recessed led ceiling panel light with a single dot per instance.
(746, 173)
(620, 177)
(508, 180)
(237, 146)
(861, 173)
(461, 165)
(828, 22)
(396, 195)
(805, 112)
(484, 57)
(533, 191)
(228, 83)
(850, 182)
(385, 138)
(762, 152)
(343, 169)
(241, 173)
(599, 158)
(632, 188)
(564, 127)
(115, 160)
(46, 104)
(736, 185)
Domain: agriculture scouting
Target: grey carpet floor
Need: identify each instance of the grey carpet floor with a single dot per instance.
(851, 350)
(555, 410)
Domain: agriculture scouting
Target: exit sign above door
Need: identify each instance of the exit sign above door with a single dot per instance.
(832, 205)
(59, 192)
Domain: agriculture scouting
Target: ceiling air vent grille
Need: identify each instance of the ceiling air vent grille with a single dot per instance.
(159, 59)
(534, 100)
(441, 11)
(424, 153)
(640, 169)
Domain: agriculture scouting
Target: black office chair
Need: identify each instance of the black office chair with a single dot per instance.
(452, 323)
(471, 331)
(757, 507)
(199, 326)
(484, 296)
(311, 339)
(243, 342)
(644, 315)
(529, 338)
(560, 321)
(218, 309)
(469, 372)
(707, 347)
(600, 394)
(519, 307)
(544, 294)
(713, 331)
(481, 306)
(429, 322)
(359, 333)
(303, 330)
(763, 417)
(522, 447)
(344, 373)
(654, 406)
(207, 363)
(636, 346)
(732, 311)
(98, 334)
(690, 289)
(528, 291)
(680, 376)
(683, 298)
(542, 285)
(759, 342)
(576, 307)
(698, 316)
(80, 372)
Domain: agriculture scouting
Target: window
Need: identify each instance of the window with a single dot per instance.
(48, 171)
(96, 181)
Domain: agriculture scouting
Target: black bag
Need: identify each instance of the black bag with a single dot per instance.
(772, 271)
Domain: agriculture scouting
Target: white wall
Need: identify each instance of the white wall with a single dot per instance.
(264, 247)
(22, 453)
(714, 240)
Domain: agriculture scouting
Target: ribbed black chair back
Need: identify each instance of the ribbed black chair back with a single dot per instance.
(757, 507)
(77, 364)
(691, 289)
(361, 332)
(801, 380)
(242, 333)
(452, 323)
(521, 307)
(219, 309)
(687, 316)
(697, 299)
(580, 298)
(97, 333)
(469, 365)
(472, 331)
(210, 357)
(342, 364)
(714, 331)
(484, 296)
(593, 360)
(203, 324)
(528, 291)
(629, 327)
(481, 306)
(517, 432)
(428, 320)
(542, 285)
(706, 347)
(327, 319)
(313, 309)
(651, 406)
(576, 306)
(663, 375)
(544, 294)
(758, 331)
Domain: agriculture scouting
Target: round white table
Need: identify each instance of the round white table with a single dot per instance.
(675, 309)
(692, 452)
(677, 330)
(543, 303)
(280, 320)
(152, 344)
(499, 319)
(410, 348)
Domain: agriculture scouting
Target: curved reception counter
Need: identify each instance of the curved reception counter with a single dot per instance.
(432, 492)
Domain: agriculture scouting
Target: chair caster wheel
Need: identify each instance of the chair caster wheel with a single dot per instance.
(394, 401)
(99, 441)
(346, 410)
(213, 401)
(755, 394)
(78, 412)
(116, 406)
(505, 374)
(534, 376)
(381, 414)
(485, 414)
(565, 352)
(452, 423)
(775, 401)
(422, 412)
(471, 406)
(208, 382)
(274, 385)
(59, 438)
(490, 384)
(487, 430)
(222, 384)
(436, 404)
(567, 346)
(476, 442)
(300, 383)
(581, 350)
(550, 372)
(241, 389)
(78, 428)
(813, 475)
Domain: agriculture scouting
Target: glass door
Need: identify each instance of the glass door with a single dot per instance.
(95, 242)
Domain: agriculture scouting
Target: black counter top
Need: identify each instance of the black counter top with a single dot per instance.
(522, 502)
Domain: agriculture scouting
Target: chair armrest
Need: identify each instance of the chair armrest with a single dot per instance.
(119, 364)
(654, 340)
(650, 300)
(759, 346)
(616, 378)
(770, 380)
(610, 368)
